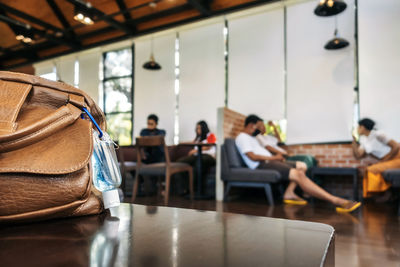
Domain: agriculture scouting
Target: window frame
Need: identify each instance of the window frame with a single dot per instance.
(131, 76)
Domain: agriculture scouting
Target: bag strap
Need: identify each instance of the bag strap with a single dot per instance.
(12, 97)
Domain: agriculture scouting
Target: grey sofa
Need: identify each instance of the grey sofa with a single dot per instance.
(235, 173)
(393, 177)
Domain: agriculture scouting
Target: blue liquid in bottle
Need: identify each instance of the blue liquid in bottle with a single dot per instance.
(106, 173)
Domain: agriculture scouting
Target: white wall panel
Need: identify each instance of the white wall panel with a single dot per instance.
(379, 58)
(44, 67)
(256, 64)
(202, 78)
(154, 90)
(66, 69)
(89, 68)
(320, 82)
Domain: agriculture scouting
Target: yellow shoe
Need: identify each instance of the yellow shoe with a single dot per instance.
(349, 207)
(298, 201)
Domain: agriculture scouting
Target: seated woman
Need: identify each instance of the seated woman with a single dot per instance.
(203, 135)
(377, 144)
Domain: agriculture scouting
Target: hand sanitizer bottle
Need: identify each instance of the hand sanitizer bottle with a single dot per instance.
(106, 173)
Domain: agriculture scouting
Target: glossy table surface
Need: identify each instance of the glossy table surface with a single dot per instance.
(139, 235)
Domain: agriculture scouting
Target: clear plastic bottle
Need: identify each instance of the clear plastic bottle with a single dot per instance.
(106, 173)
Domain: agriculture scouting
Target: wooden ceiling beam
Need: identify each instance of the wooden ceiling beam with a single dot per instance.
(12, 54)
(203, 8)
(122, 6)
(14, 29)
(57, 11)
(161, 14)
(102, 16)
(30, 18)
(41, 33)
(62, 39)
(173, 11)
(60, 16)
(158, 15)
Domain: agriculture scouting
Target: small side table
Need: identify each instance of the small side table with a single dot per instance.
(199, 192)
(339, 171)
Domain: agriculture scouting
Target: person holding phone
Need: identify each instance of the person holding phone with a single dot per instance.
(375, 143)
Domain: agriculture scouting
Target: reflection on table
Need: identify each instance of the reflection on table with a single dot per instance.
(160, 236)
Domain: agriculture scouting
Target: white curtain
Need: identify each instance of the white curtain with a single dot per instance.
(202, 78)
(320, 82)
(379, 59)
(66, 69)
(154, 90)
(89, 68)
(43, 68)
(256, 64)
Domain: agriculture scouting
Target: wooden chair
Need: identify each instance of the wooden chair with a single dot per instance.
(166, 168)
(125, 166)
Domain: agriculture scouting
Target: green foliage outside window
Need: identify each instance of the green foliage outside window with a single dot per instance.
(118, 94)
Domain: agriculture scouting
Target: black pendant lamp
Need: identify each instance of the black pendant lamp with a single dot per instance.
(327, 8)
(152, 64)
(336, 42)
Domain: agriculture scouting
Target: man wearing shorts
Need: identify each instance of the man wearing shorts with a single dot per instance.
(257, 157)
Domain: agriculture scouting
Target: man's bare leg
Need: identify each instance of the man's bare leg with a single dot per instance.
(289, 192)
(313, 189)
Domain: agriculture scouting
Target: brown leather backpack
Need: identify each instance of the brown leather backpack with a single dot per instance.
(45, 150)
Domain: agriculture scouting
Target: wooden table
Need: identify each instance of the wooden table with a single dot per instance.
(161, 236)
(199, 191)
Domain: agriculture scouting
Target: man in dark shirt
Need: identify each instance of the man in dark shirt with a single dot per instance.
(153, 154)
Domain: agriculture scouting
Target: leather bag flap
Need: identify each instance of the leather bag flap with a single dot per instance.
(65, 151)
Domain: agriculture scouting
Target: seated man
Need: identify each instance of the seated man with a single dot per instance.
(153, 154)
(257, 157)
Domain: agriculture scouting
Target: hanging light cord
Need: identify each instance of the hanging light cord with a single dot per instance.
(152, 47)
(336, 27)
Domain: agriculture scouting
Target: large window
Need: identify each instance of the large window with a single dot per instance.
(118, 94)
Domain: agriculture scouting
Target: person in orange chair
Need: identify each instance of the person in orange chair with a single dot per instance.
(376, 143)
(258, 157)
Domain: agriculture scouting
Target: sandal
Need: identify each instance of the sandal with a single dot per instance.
(296, 201)
(348, 206)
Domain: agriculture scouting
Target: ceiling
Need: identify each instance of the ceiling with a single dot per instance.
(56, 33)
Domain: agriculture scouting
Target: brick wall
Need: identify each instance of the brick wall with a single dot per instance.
(233, 123)
(330, 155)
